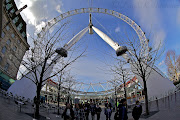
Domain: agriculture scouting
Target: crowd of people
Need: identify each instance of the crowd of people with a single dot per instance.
(82, 111)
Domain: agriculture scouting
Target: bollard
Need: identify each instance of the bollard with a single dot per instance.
(157, 104)
(165, 101)
(168, 103)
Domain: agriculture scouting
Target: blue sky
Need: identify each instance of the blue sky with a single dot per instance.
(159, 19)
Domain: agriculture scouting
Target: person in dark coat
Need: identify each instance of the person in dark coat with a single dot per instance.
(68, 113)
(98, 112)
(87, 110)
(93, 111)
(0, 85)
(122, 110)
(137, 110)
(116, 115)
(108, 112)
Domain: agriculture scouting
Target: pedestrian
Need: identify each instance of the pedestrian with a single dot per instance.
(137, 110)
(98, 112)
(122, 110)
(81, 112)
(93, 110)
(68, 113)
(76, 112)
(108, 112)
(116, 115)
(106, 104)
(35, 99)
(0, 85)
(86, 110)
(110, 105)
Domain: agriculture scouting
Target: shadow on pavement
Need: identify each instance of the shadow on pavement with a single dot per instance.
(40, 116)
(150, 114)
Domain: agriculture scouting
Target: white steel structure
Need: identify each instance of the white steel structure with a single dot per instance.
(155, 79)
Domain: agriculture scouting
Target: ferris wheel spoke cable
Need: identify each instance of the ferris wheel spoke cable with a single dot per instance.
(102, 26)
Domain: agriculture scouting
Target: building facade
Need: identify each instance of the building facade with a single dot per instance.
(13, 42)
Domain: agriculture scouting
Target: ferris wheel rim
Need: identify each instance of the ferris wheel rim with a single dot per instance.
(126, 19)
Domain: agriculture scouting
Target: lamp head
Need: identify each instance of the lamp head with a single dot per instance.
(61, 51)
(121, 50)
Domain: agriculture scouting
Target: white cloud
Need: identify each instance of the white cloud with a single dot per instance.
(117, 29)
(58, 8)
(161, 63)
(27, 13)
(159, 38)
(39, 10)
(150, 19)
(39, 26)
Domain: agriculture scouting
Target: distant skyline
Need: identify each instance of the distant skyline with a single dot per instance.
(159, 19)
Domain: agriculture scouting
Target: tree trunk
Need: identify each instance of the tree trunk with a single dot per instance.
(125, 94)
(39, 85)
(59, 98)
(146, 97)
(68, 99)
(37, 101)
(116, 99)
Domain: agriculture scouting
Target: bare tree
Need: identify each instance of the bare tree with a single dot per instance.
(65, 79)
(123, 74)
(115, 83)
(59, 88)
(172, 62)
(142, 59)
(41, 59)
(69, 82)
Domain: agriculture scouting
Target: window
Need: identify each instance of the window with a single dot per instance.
(18, 41)
(12, 11)
(4, 50)
(10, 56)
(24, 34)
(14, 48)
(8, 42)
(0, 58)
(19, 27)
(12, 35)
(2, 34)
(15, 19)
(6, 67)
(8, 6)
(7, 28)
(8, 1)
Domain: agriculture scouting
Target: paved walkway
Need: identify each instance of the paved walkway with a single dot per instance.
(169, 109)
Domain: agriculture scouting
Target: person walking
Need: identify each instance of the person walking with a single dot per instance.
(86, 110)
(122, 110)
(76, 112)
(68, 113)
(116, 115)
(98, 112)
(93, 111)
(108, 112)
(0, 85)
(137, 111)
(81, 112)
